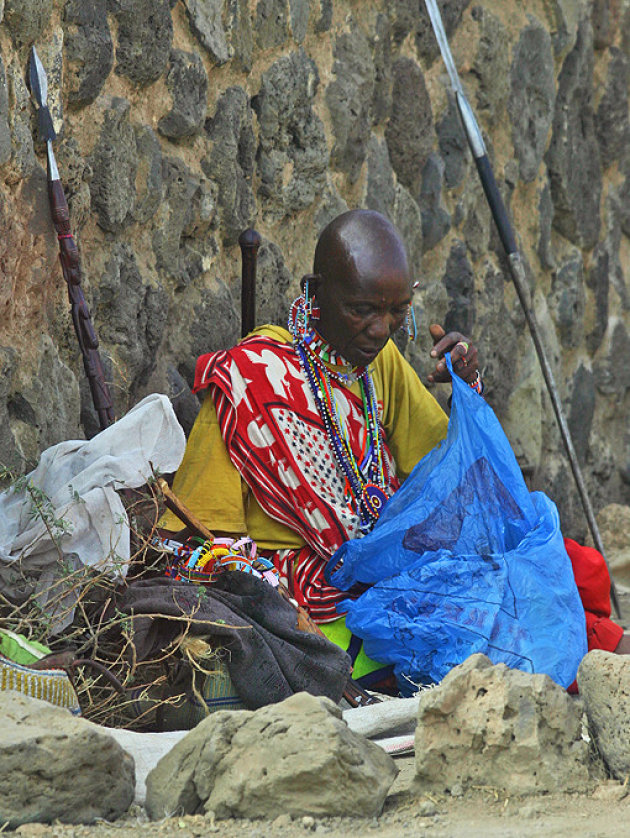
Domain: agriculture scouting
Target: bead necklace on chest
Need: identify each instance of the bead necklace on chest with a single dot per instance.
(367, 477)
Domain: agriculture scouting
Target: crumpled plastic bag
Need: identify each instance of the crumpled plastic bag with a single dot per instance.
(465, 559)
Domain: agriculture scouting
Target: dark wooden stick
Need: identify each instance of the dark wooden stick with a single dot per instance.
(249, 242)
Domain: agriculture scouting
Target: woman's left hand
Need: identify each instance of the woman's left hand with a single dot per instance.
(463, 355)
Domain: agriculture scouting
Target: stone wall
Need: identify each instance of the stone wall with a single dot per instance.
(182, 122)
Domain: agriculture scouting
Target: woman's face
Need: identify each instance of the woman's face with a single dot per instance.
(359, 313)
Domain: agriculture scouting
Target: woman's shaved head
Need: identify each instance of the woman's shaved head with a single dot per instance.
(357, 241)
(361, 282)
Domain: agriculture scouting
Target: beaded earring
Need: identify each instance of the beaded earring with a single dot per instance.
(303, 309)
(410, 323)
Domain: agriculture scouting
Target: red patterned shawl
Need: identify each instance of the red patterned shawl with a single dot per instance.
(275, 437)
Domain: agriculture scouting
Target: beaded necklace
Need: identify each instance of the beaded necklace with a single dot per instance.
(368, 477)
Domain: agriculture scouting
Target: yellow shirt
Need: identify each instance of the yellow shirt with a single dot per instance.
(211, 487)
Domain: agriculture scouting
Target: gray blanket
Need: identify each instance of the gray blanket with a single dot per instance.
(269, 657)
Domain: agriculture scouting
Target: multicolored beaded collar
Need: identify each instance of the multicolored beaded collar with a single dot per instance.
(368, 477)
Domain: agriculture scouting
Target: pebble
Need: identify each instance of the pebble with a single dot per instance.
(282, 820)
(427, 809)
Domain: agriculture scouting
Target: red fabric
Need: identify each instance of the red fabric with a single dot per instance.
(276, 438)
(593, 583)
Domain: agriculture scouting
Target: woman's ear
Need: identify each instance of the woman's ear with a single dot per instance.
(314, 281)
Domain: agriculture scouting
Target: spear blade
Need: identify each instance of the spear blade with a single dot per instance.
(39, 89)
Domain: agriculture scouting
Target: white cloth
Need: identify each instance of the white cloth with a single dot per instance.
(80, 512)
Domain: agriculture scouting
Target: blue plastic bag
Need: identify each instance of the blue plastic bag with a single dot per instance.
(465, 559)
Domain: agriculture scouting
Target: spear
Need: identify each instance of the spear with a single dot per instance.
(517, 270)
(68, 252)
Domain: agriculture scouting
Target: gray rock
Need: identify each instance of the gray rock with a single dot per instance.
(230, 162)
(27, 19)
(436, 220)
(273, 280)
(114, 163)
(46, 408)
(76, 174)
(297, 756)
(324, 21)
(573, 155)
(564, 17)
(453, 145)
(381, 190)
(299, 14)
(89, 50)
(582, 411)
(566, 301)
(597, 279)
(148, 174)
(89, 778)
(5, 136)
(349, 98)
(545, 216)
(410, 16)
(212, 323)
(491, 64)
(145, 34)
(381, 46)
(240, 33)
(272, 23)
(185, 403)
(499, 728)
(291, 136)
(23, 160)
(9, 454)
(132, 313)
(409, 131)
(611, 376)
(605, 20)
(206, 23)
(459, 284)
(183, 220)
(407, 219)
(532, 98)
(614, 527)
(187, 83)
(611, 119)
(604, 684)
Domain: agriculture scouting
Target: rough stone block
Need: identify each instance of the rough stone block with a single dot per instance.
(206, 23)
(230, 161)
(532, 98)
(54, 766)
(573, 155)
(89, 49)
(187, 83)
(145, 34)
(293, 154)
(496, 727)
(409, 132)
(297, 756)
(27, 19)
(349, 98)
(604, 683)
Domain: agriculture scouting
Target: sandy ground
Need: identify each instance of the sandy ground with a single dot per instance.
(605, 812)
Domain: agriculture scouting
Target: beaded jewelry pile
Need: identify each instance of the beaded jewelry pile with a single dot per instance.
(200, 561)
(368, 476)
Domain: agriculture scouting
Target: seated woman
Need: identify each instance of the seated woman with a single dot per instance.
(304, 434)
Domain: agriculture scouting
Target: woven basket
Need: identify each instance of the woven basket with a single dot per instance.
(52, 685)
